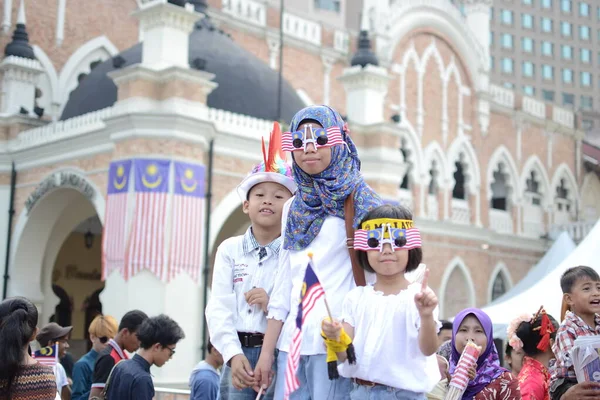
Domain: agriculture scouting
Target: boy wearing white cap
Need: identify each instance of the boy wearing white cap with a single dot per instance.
(244, 273)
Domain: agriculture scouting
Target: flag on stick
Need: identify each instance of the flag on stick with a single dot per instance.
(311, 292)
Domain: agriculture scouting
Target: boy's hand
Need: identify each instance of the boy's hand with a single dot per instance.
(426, 300)
(259, 297)
(263, 373)
(242, 375)
(331, 329)
(584, 390)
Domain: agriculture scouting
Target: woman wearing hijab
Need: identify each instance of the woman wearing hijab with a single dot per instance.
(491, 382)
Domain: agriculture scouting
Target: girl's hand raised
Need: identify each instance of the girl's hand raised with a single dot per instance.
(331, 329)
(426, 300)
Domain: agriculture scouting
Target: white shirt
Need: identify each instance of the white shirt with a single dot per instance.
(331, 263)
(61, 376)
(386, 340)
(237, 270)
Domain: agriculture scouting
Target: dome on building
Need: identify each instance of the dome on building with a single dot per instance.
(246, 84)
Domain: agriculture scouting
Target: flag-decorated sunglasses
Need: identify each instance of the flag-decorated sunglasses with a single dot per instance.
(319, 137)
(399, 233)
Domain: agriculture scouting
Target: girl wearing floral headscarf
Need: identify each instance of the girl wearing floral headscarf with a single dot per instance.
(327, 170)
(491, 382)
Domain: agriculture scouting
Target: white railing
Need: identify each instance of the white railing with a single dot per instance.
(534, 107)
(239, 124)
(341, 41)
(563, 117)
(504, 97)
(577, 230)
(501, 221)
(302, 29)
(60, 130)
(405, 198)
(247, 10)
(461, 214)
(432, 207)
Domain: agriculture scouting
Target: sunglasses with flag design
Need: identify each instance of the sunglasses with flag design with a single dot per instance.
(319, 137)
(399, 233)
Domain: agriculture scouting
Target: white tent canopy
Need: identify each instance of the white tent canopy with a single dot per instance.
(545, 290)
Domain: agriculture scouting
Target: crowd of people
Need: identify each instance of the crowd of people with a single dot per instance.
(374, 334)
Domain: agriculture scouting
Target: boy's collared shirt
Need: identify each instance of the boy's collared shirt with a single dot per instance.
(569, 330)
(241, 265)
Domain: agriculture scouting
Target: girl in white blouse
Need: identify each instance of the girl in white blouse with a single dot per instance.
(393, 324)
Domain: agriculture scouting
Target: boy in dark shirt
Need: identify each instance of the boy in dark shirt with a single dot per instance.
(131, 379)
(126, 339)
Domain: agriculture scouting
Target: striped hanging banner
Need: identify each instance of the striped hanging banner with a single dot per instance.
(146, 248)
(114, 237)
(186, 229)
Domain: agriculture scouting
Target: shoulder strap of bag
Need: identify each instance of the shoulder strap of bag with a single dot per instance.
(105, 388)
(357, 271)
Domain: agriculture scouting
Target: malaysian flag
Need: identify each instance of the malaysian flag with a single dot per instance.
(311, 292)
(114, 236)
(146, 248)
(187, 212)
(47, 355)
(334, 136)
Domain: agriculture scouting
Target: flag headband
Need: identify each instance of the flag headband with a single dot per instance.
(399, 233)
(319, 137)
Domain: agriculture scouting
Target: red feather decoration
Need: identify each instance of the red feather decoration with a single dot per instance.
(275, 150)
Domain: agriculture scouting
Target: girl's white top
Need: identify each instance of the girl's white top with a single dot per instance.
(386, 331)
(331, 263)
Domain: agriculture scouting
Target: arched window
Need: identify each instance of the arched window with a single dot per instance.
(406, 153)
(500, 286)
(500, 189)
(433, 182)
(459, 179)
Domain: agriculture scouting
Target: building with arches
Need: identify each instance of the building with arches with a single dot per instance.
(489, 173)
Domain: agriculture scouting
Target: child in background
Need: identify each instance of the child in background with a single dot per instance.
(581, 292)
(534, 335)
(491, 381)
(394, 323)
(244, 274)
(327, 171)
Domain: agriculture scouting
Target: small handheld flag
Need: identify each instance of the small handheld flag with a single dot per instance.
(311, 292)
(47, 355)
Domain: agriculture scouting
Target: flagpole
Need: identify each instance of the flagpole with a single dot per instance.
(280, 81)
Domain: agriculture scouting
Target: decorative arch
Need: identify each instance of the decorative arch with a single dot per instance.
(448, 22)
(432, 152)
(564, 172)
(534, 163)
(100, 48)
(452, 72)
(590, 197)
(502, 155)
(432, 51)
(457, 263)
(48, 83)
(502, 270)
(226, 207)
(414, 143)
(47, 225)
(462, 144)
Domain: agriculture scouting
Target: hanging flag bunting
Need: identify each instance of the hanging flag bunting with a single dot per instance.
(187, 227)
(146, 248)
(114, 235)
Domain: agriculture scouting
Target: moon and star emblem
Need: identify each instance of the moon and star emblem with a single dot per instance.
(188, 183)
(120, 176)
(153, 181)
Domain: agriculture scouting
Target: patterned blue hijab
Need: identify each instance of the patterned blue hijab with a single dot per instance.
(324, 194)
